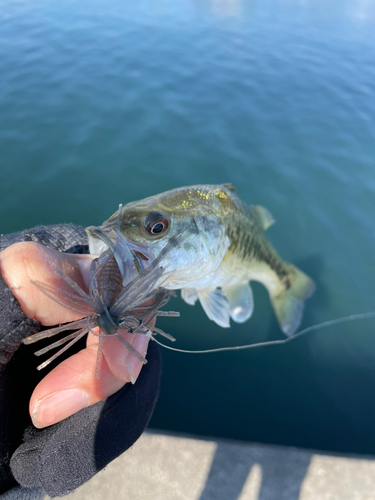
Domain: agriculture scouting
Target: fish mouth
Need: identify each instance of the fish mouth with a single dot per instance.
(140, 254)
(101, 238)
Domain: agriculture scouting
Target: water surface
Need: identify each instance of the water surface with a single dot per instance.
(103, 102)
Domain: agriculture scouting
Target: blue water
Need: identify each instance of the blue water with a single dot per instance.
(105, 101)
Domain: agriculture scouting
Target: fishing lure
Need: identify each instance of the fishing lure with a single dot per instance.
(110, 305)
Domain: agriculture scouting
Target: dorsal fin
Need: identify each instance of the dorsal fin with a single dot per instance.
(230, 187)
(264, 216)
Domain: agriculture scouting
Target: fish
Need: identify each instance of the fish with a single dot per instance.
(223, 249)
(115, 301)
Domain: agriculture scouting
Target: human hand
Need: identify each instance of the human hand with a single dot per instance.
(71, 385)
(59, 458)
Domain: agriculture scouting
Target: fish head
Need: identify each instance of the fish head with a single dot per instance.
(189, 214)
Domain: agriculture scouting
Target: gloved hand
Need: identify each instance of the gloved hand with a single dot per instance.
(61, 457)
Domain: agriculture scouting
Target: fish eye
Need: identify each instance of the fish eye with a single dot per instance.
(156, 224)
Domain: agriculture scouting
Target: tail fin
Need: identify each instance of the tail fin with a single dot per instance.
(288, 305)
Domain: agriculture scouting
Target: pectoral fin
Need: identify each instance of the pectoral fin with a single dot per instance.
(241, 303)
(215, 305)
(189, 295)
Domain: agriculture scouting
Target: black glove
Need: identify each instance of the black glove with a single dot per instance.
(59, 458)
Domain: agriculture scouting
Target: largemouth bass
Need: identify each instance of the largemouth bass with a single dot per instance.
(223, 249)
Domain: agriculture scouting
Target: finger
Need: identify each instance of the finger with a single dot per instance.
(23, 262)
(123, 364)
(72, 385)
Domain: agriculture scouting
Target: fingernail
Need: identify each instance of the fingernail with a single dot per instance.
(133, 364)
(58, 406)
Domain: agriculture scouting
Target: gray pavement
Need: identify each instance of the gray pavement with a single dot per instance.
(172, 467)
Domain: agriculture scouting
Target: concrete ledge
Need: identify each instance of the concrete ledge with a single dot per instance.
(170, 467)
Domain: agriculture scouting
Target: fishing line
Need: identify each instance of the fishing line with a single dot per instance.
(325, 324)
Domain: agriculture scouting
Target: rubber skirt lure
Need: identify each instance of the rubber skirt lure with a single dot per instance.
(114, 308)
